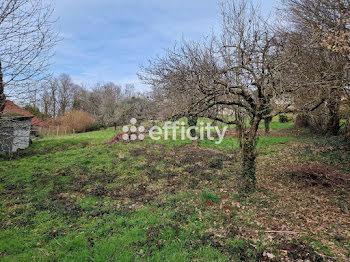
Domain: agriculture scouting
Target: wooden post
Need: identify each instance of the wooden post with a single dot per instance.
(57, 129)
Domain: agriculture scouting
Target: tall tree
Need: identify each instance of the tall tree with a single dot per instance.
(65, 93)
(110, 94)
(241, 71)
(52, 87)
(26, 40)
(322, 32)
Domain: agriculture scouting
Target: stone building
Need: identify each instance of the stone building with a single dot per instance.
(14, 133)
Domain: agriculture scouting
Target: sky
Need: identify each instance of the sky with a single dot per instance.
(107, 40)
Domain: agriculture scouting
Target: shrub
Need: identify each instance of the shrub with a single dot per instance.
(316, 122)
(96, 127)
(35, 111)
(283, 119)
(319, 123)
(302, 121)
(76, 120)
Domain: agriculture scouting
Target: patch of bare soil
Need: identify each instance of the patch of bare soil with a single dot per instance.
(318, 174)
(300, 251)
(118, 138)
(191, 154)
(297, 199)
(285, 132)
(141, 193)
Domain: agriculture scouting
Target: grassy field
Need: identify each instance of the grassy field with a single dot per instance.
(77, 198)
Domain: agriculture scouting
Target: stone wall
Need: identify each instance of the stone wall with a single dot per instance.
(14, 133)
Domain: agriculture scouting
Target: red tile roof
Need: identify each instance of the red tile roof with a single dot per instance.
(12, 108)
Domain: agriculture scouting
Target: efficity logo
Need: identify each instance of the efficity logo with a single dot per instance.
(133, 133)
(175, 131)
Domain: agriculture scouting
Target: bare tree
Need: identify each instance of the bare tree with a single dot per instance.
(80, 98)
(320, 32)
(110, 96)
(46, 102)
(101, 102)
(57, 95)
(26, 40)
(175, 98)
(52, 87)
(65, 93)
(327, 22)
(241, 71)
(139, 107)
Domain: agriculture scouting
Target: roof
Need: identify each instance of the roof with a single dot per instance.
(12, 108)
(17, 118)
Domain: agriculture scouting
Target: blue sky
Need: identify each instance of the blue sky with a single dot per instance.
(108, 40)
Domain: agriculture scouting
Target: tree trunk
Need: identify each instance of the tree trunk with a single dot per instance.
(249, 156)
(2, 94)
(192, 122)
(333, 126)
(248, 164)
(239, 131)
(267, 122)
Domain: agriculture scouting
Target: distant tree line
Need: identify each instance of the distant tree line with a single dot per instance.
(108, 104)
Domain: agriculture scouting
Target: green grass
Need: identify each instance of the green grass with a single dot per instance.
(210, 196)
(38, 226)
(277, 125)
(76, 198)
(271, 141)
(230, 144)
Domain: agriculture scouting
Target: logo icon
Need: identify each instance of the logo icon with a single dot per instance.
(171, 130)
(133, 133)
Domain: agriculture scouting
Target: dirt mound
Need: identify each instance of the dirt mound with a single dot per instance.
(300, 251)
(315, 174)
(124, 138)
(118, 138)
